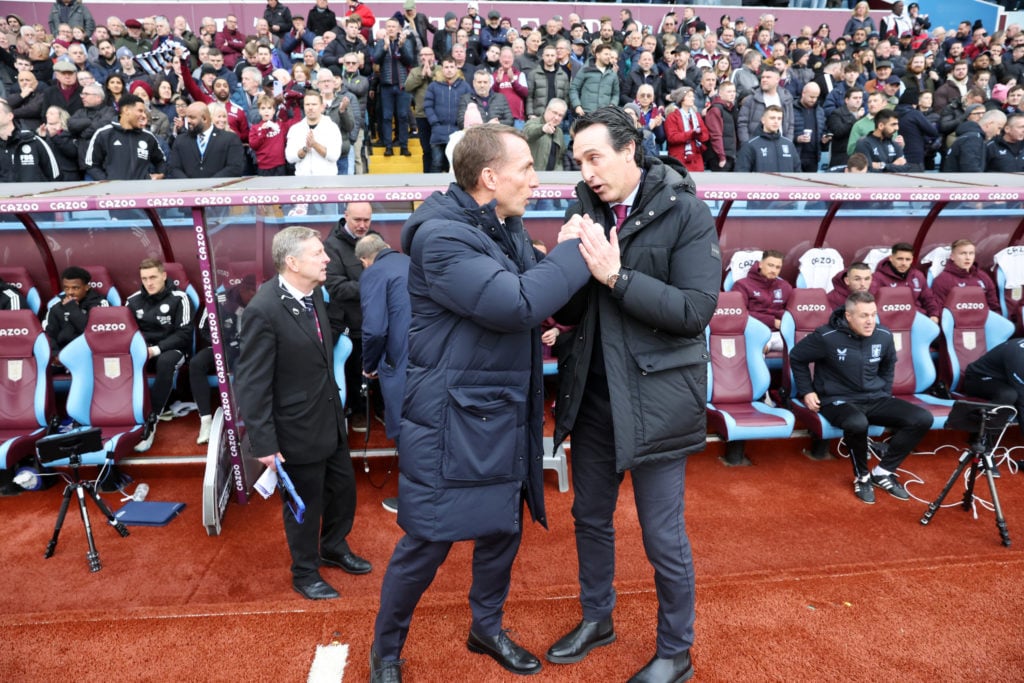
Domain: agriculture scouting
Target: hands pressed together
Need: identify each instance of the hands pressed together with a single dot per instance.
(600, 253)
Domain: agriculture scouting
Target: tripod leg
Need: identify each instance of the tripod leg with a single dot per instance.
(52, 545)
(971, 481)
(937, 503)
(1004, 534)
(92, 555)
(114, 522)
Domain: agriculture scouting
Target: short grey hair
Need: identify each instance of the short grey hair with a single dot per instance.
(289, 242)
(370, 245)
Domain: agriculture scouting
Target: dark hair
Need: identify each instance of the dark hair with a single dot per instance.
(851, 92)
(772, 253)
(480, 147)
(883, 116)
(902, 246)
(621, 129)
(859, 298)
(858, 265)
(128, 100)
(76, 273)
(857, 162)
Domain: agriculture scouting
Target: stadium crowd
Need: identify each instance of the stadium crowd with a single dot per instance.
(315, 93)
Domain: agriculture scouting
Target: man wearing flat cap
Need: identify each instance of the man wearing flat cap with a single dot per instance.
(66, 93)
(492, 33)
(134, 40)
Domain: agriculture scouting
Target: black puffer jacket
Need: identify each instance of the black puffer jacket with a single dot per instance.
(343, 273)
(652, 325)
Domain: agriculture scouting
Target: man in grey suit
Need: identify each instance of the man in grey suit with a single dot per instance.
(288, 395)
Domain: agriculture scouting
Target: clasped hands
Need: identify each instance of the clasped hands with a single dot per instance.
(600, 253)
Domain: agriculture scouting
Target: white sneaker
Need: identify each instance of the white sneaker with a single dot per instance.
(205, 423)
(147, 442)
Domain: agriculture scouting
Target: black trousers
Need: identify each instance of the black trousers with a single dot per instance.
(329, 491)
(165, 366)
(411, 570)
(909, 424)
(995, 391)
(658, 490)
(199, 367)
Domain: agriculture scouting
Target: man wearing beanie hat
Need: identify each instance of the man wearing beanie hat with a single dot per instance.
(126, 65)
(444, 39)
(492, 33)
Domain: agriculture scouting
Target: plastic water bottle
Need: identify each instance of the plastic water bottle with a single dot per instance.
(141, 491)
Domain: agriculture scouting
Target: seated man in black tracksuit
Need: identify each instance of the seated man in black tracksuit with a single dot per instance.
(852, 387)
(998, 376)
(164, 315)
(881, 147)
(67, 316)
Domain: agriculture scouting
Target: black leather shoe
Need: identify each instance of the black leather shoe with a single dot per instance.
(318, 590)
(389, 152)
(384, 672)
(405, 152)
(349, 562)
(577, 643)
(504, 651)
(665, 670)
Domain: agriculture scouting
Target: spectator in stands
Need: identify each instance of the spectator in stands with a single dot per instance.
(643, 74)
(314, 143)
(164, 315)
(685, 131)
(652, 115)
(124, 149)
(54, 132)
(205, 152)
(721, 120)
(230, 305)
(856, 278)
(920, 136)
(133, 40)
(837, 96)
(544, 135)
(66, 93)
(1005, 153)
(962, 271)
(394, 52)
(882, 147)
(67, 316)
(321, 18)
(769, 151)
(94, 114)
(649, 144)
(416, 83)
(967, 154)
(877, 101)
(467, 290)
(766, 95)
(28, 103)
(766, 294)
(72, 13)
(267, 139)
(860, 19)
(279, 17)
(546, 82)
(955, 113)
(492, 106)
(955, 87)
(854, 364)
(511, 82)
(747, 78)
(898, 271)
(616, 173)
(597, 84)
(809, 126)
(441, 113)
(230, 41)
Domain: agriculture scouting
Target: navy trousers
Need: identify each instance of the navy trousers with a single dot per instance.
(412, 569)
(658, 492)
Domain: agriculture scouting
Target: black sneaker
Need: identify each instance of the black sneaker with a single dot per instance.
(889, 482)
(863, 490)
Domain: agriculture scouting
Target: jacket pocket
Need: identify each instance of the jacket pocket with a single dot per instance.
(483, 438)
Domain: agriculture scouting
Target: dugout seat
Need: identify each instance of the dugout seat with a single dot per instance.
(912, 332)
(739, 266)
(817, 268)
(738, 379)
(108, 385)
(176, 274)
(936, 260)
(1010, 282)
(969, 329)
(874, 256)
(807, 310)
(26, 399)
(19, 277)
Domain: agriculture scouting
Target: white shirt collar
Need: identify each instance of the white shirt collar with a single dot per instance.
(296, 294)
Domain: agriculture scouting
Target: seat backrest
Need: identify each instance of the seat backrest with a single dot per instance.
(25, 396)
(22, 281)
(912, 335)
(1010, 280)
(176, 274)
(101, 281)
(806, 311)
(936, 260)
(970, 329)
(739, 264)
(108, 385)
(874, 255)
(818, 266)
(342, 350)
(738, 372)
